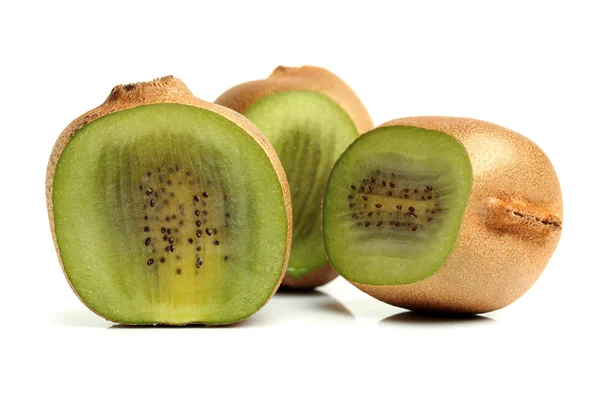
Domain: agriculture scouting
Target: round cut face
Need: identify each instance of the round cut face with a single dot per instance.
(394, 205)
(309, 131)
(169, 213)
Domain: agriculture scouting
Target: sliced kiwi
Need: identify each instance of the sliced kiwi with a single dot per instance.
(170, 213)
(442, 214)
(398, 195)
(298, 111)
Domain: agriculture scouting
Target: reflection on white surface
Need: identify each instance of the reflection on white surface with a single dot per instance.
(410, 318)
(338, 303)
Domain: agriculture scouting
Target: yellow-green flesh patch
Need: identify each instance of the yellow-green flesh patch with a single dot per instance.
(308, 131)
(169, 214)
(394, 204)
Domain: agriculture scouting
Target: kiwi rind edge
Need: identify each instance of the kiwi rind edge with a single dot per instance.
(167, 89)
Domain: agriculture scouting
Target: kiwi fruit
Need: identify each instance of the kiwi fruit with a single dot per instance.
(310, 116)
(166, 209)
(442, 214)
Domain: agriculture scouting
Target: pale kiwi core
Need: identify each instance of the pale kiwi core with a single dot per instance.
(169, 213)
(308, 131)
(394, 204)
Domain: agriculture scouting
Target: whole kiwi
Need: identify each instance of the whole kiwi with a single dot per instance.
(305, 79)
(511, 224)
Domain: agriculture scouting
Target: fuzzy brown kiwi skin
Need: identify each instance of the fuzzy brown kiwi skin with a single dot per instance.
(162, 90)
(285, 79)
(317, 277)
(511, 226)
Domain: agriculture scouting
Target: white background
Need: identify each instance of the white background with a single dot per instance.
(532, 67)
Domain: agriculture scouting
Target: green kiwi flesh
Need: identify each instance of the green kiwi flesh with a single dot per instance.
(394, 204)
(169, 213)
(308, 131)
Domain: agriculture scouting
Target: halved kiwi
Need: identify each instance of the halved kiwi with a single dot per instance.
(167, 209)
(442, 214)
(310, 116)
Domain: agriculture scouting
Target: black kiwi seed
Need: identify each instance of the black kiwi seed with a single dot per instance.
(367, 224)
(433, 211)
(378, 205)
(190, 240)
(370, 188)
(226, 258)
(178, 271)
(379, 223)
(216, 242)
(362, 188)
(146, 229)
(429, 188)
(205, 195)
(411, 209)
(181, 223)
(147, 242)
(162, 260)
(392, 184)
(145, 218)
(399, 207)
(197, 213)
(199, 262)
(414, 228)
(208, 232)
(199, 233)
(198, 224)
(150, 261)
(352, 187)
(162, 230)
(196, 198)
(168, 219)
(369, 214)
(382, 183)
(373, 179)
(350, 196)
(152, 203)
(390, 193)
(148, 192)
(172, 248)
(205, 212)
(198, 248)
(165, 238)
(365, 197)
(171, 240)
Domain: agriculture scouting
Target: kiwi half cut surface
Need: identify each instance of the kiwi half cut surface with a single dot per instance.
(167, 209)
(442, 214)
(309, 116)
